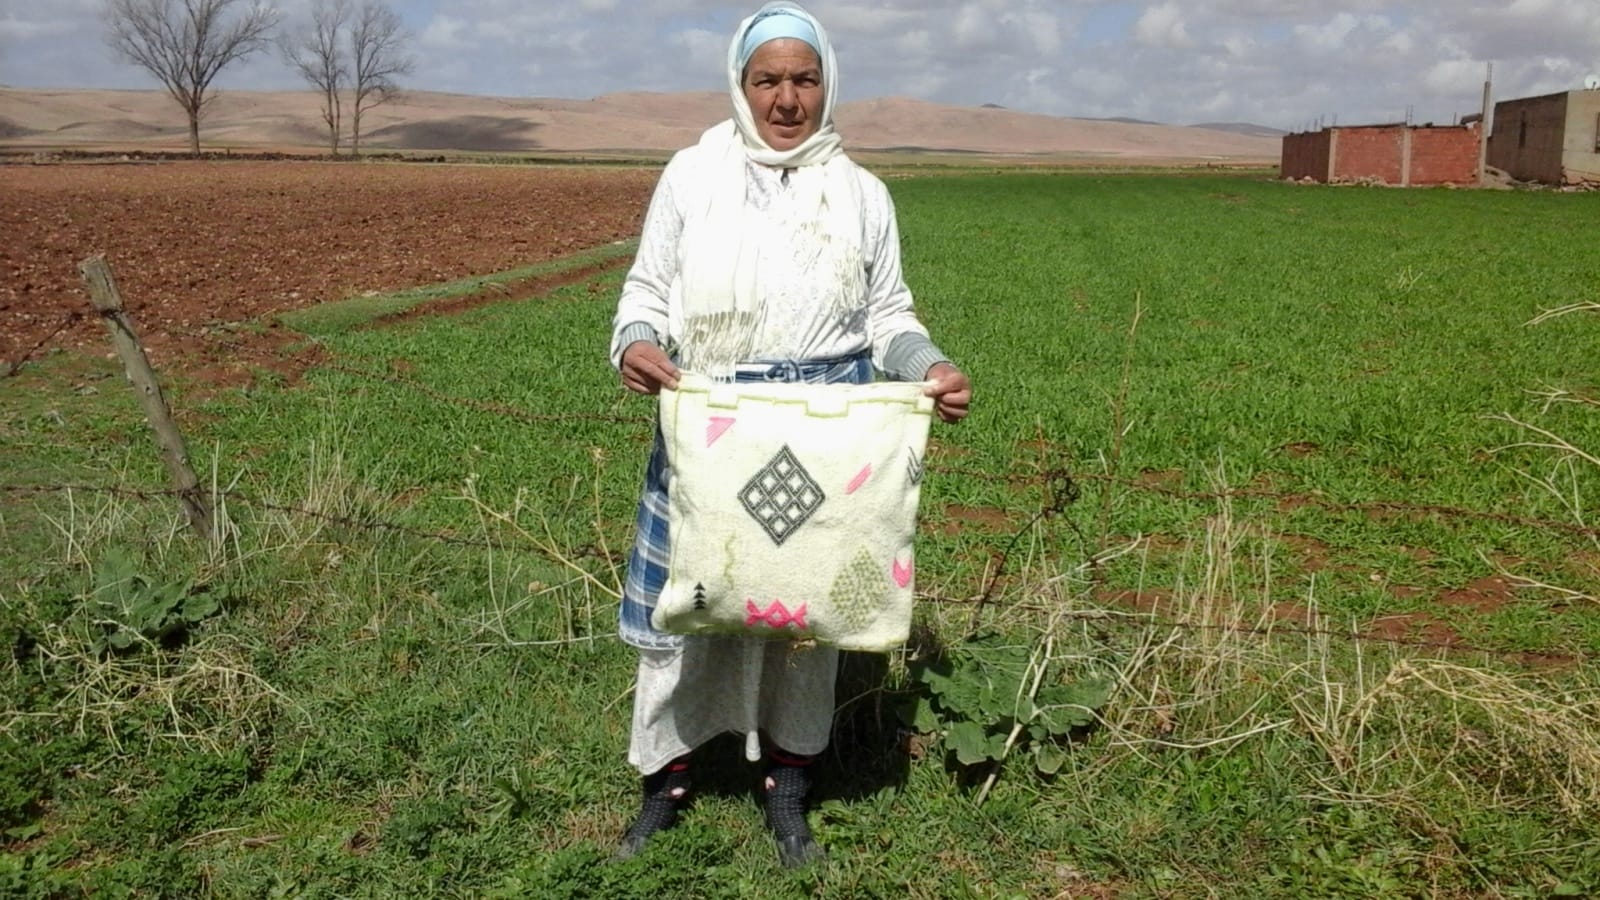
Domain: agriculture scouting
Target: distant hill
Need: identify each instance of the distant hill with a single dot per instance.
(636, 122)
(1245, 128)
(1126, 121)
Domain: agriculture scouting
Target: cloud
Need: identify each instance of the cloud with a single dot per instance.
(15, 29)
(444, 33)
(1276, 62)
(67, 22)
(1524, 28)
(1344, 33)
(1162, 26)
(1448, 75)
(702, 48)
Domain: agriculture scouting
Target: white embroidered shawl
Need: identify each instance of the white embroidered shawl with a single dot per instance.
(722, 295)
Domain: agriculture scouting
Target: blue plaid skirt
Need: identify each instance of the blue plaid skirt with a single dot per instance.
(647, 564)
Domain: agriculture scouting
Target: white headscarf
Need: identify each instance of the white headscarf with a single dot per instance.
(719, 278)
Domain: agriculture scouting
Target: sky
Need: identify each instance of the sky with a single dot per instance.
(1289, 64)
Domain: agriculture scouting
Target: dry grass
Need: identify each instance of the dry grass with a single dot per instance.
(1212, 670)
(1565, 462)
(209, 696)
(578, 597)
(1515, 741)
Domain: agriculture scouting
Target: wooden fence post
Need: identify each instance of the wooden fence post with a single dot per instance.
(103, 294)
(1483, 128)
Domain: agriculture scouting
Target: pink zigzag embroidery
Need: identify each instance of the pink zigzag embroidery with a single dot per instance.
(716, 427)
(776, 615)
(860, 479)
(902, 573)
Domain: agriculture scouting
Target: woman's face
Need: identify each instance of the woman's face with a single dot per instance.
(783, 82)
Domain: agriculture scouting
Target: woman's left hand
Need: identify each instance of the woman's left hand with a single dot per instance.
(951, 391)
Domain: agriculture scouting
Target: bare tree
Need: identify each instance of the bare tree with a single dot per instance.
(185, 43)
(377, 52)
(317, 53)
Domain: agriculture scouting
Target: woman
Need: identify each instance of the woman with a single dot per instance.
(766, 255)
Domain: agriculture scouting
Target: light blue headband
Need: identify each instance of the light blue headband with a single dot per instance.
(779, 23)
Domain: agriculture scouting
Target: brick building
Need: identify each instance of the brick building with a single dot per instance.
(1553, 139)
(1399, 154)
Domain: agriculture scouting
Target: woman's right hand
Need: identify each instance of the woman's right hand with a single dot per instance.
(646, 368)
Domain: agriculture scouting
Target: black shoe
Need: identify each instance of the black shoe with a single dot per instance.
(800, 851)
(665, 794)
(785, 805)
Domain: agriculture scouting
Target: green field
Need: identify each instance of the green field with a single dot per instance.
(1263, 566)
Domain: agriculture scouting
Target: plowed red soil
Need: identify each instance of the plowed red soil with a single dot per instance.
(197, 247)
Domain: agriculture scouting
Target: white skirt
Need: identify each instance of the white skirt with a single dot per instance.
(716, 683)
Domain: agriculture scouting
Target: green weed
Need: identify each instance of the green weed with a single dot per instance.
(991, 695)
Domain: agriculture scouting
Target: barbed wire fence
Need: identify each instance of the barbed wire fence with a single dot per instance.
(16, 364)
(1000, 545)
(1060, 487)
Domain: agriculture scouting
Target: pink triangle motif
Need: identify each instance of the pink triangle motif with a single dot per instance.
(716, 427)
(902, 573)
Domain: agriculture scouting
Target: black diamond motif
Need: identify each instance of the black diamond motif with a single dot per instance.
(781, 496)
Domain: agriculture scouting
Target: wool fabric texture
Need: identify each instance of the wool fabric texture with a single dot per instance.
(792, 509)
(652, 543)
